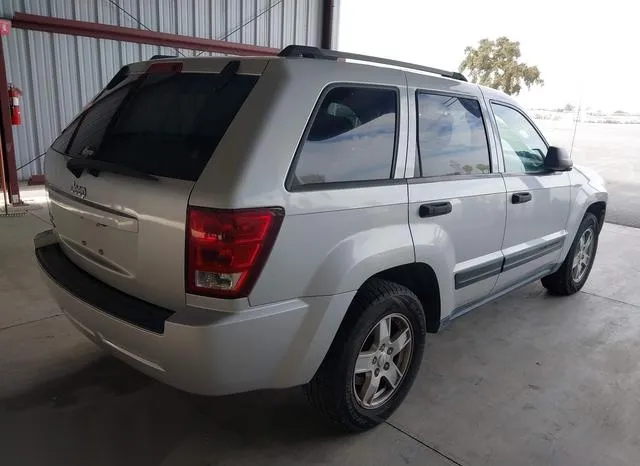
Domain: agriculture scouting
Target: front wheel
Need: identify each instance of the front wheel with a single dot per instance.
(574, 271)
(374, 357)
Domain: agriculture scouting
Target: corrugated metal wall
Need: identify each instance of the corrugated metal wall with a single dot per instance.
(58, 73)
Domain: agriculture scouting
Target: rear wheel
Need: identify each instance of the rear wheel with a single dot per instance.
(574, 271)
(374, 357)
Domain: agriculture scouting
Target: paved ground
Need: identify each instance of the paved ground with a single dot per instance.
(529, 379)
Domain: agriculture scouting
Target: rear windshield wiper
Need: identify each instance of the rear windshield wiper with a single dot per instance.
(94, 167)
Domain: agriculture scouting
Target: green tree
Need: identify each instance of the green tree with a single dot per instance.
(495, 63)
(569, 108)
(483, 168)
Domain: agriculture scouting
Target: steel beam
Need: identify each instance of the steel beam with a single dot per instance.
(141, 36)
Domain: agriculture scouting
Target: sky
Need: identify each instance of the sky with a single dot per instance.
(587, 54)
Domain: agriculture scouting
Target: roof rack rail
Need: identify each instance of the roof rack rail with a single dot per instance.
(160, 57)
(304, 51)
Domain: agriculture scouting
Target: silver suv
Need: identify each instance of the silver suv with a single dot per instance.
(233, 224)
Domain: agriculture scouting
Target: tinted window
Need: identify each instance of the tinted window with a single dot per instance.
(62, 141)
(162, 124)
(522, 147)
(451, 136)
(352, 137)
(93, 124)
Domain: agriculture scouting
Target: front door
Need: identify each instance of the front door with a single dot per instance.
(538, 201)
(457, 205)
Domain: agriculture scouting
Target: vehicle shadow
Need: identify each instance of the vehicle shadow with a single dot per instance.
(107, 413)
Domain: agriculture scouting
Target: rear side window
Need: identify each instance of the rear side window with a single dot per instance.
(352, 137)
(451, 136)
(163, 124)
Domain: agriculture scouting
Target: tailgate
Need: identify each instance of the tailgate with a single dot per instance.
(133, 239)
(119, 177)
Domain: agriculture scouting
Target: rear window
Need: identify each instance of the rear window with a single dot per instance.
(161, 124)
(451, 136)
(62, 142)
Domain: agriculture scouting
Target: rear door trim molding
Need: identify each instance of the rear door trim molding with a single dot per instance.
(522, 257)
(478, 273)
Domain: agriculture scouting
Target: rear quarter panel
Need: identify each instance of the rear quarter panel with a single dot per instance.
(326, 248)
(334, 238)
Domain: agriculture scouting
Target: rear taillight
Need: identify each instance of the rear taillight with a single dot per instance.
(226, 249)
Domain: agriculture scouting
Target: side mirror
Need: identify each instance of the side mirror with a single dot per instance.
(557, 160)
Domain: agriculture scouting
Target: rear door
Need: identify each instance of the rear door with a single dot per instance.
(120, 176)
(457, 198)
(538, 201)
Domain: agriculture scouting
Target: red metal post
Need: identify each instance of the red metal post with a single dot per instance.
(7, 152)
(105, 31)
(3, 189)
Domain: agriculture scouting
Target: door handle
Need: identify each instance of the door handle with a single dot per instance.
(520, 198)
(434, 209)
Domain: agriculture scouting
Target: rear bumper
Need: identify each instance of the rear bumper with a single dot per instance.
(200, 351)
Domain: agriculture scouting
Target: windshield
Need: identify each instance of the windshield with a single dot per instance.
(161, 124)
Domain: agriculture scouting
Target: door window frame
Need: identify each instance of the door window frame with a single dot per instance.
(418, 173)
(499, 139)
(289, 186)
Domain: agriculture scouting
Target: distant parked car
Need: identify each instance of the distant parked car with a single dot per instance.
(233, 224)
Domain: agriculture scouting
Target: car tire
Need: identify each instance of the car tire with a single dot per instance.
(349, 399)
(568, 280)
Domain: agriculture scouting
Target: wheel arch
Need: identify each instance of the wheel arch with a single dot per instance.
(422, 280)
(586, 198)
(418, 277)
(599, 209)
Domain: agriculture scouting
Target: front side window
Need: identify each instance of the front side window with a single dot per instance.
(451, 136)
(523, 148)
(352, 138)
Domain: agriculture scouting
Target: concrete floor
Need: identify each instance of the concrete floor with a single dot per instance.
(529, 379)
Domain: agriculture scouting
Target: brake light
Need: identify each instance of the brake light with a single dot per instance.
(226, 249)
(165, 67)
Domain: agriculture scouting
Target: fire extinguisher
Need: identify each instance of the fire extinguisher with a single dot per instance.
(14, 104)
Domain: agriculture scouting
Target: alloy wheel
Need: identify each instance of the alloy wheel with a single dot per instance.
(383, 361)
(583, 255)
